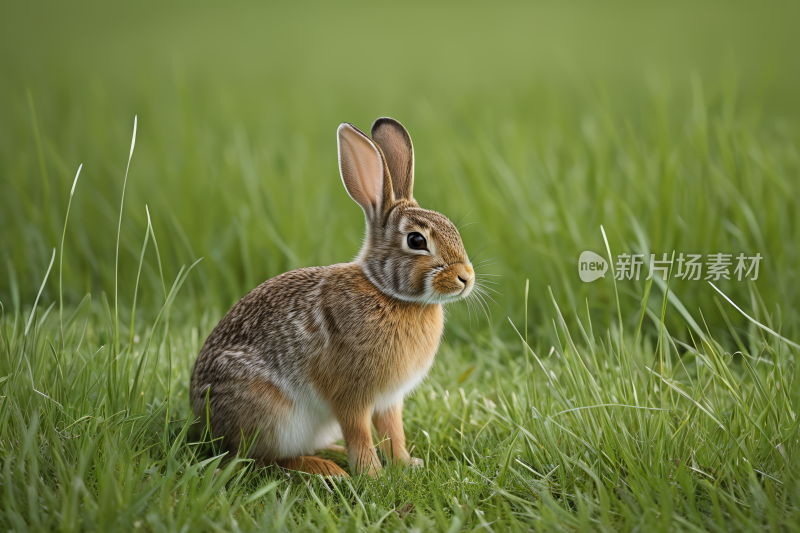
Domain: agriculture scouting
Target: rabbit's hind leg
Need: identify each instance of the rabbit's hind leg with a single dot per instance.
(261, 410)
(313, 465)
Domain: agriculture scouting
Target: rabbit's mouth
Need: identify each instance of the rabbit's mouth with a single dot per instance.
(453, 282)
(452, 298)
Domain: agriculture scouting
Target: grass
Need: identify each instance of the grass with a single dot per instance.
(632, 405)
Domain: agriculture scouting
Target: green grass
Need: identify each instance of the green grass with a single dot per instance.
(674, 128)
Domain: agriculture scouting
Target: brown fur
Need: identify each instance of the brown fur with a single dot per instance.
(313, 465)
(340, 343)
(391, 437)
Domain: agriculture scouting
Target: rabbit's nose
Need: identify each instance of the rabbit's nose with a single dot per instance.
(465, 273)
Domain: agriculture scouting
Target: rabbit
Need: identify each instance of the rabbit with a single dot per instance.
(313, 355)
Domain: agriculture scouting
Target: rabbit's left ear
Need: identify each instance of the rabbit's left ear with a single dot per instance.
(395, 142)
(364, 172)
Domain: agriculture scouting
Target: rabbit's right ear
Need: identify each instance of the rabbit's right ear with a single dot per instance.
(363, 171)
(395, 142)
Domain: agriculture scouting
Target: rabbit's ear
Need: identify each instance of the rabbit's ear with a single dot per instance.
(395, 142)
(364, 171)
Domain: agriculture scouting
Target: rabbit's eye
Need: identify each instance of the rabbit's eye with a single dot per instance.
(416, 241)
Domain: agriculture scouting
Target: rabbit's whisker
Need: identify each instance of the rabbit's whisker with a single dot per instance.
(484, 287)
(465, 216)
(474, 303)
(469, 313)
(487, 295)
(485, 261)
(482, 249)
(484, 305)
(468, 302)
(469, 309)
(478, 305)
(483, 290)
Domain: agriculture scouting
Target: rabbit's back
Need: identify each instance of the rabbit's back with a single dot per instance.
(270, 327)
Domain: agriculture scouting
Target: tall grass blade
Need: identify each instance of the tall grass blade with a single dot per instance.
(61, 258)
(119, 231)
(36, 302)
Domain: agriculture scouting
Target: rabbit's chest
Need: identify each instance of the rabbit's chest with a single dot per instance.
(410, 353)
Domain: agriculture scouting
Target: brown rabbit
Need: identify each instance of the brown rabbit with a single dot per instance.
(313, 355)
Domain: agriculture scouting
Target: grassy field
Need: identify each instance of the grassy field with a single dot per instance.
(562, 405)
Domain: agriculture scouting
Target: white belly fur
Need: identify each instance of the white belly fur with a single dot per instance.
(311, 425)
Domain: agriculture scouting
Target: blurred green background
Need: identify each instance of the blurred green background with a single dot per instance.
(675, 126)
